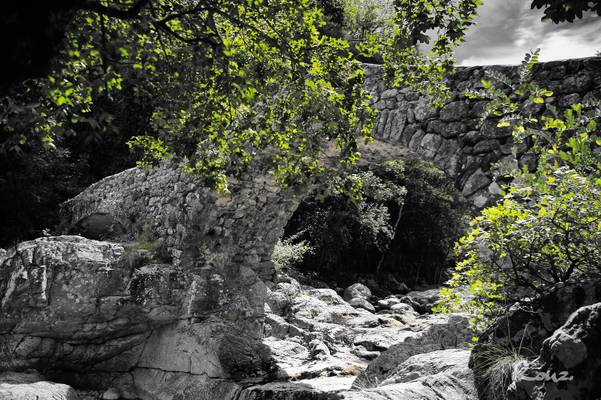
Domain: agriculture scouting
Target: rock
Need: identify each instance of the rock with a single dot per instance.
(366, 354)
(573, 354)
(358, 302)
(455, 111)
(430, 364)
(33, 386)
(423, 111)
(381, 340)
(578, 83)
(422, 301)
(306, 389)
(277, 302)
(438, 375)
(401, 308)
(452, 331)
(111, 394)
(356, 290)
(278, 327)
(318, 309)
(73, 306)
(543, 330)
(475, 182)
(486, 146)
(388, 302)
(318, 349)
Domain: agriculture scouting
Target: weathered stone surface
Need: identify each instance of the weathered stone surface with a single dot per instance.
(533, 330)
(457, 122)
(359, 302)
(451, 332)
(440, 375)
(388, 302)
(475, 182)
(309, 389)
(356, 290)
(437, 375)
(73, 307)
(33, 386)
(455, 111)
(190, 223)
(111, 394)
(573, 354)
(401, 308)
(422, 300)
(323, 343)
(429, 145)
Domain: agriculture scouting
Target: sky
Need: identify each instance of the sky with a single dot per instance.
(506, 29)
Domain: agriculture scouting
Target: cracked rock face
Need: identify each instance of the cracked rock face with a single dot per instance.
(86, 312)
(571, 355)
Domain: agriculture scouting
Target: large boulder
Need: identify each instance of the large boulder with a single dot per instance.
(569, 363)
(356, 291)
(90, 313)
(437, 375)
(526, 329)
(451, 331)
(33, 386)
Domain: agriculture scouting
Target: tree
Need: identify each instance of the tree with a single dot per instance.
(405, 225)
(566, 10)
(212, 84)
(231, 79)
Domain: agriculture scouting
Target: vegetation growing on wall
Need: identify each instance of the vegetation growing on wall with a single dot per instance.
(547, 228)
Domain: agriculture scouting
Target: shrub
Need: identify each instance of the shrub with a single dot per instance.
(286, 253)
(536, 236)
(547, 227)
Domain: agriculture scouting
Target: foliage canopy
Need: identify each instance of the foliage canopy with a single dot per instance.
(567, 10)
(225, 81)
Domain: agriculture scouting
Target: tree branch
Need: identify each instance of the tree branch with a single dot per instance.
(129, 13)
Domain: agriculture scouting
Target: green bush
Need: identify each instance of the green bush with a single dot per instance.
(286, 253)
(536, 236)
(547, 227)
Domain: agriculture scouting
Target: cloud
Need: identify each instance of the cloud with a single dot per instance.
(506, 29)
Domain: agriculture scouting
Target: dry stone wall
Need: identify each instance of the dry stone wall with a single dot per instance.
(451, 136)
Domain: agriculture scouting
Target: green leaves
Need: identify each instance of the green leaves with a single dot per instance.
(221, 84)
(546, 229)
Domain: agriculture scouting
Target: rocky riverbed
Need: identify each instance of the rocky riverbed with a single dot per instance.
(91, 314)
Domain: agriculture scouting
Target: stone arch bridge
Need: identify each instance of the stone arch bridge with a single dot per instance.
(193, 318)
